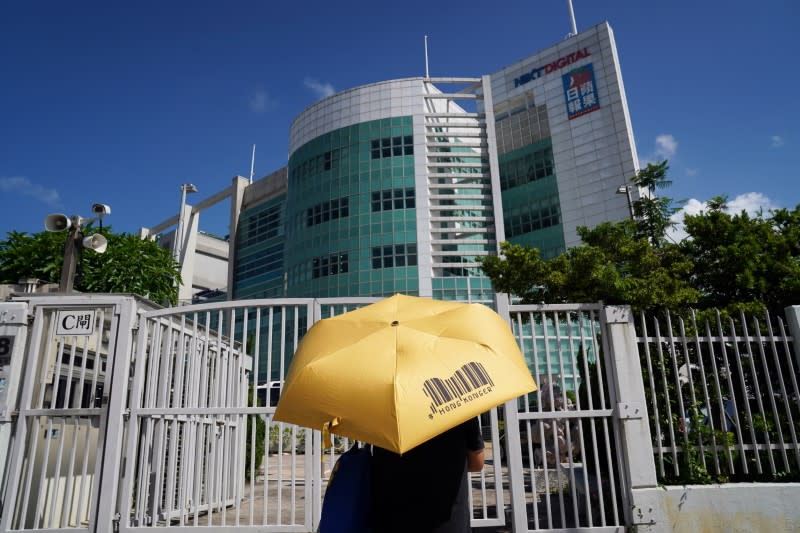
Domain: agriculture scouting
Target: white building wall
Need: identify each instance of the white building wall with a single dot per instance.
(385, 99)
(595, 153)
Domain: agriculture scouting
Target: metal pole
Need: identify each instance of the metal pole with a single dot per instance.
(630, 201)
(70, 258)
(572, 18)
(427, 75)
(252, 164)
(176, 245)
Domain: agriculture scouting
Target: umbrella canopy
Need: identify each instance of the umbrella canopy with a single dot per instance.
(403, 370)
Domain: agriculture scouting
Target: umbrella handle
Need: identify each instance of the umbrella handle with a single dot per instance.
(327, 441)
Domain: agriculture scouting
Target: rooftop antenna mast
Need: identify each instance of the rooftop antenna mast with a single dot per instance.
(572, 19)
(252, 164)
(427, 74)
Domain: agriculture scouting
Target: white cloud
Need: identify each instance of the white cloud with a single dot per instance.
(322, 90)
(666, 146)
(691, 171)
(751, 202)
(261, 102)
(24, 186)
(777, 141)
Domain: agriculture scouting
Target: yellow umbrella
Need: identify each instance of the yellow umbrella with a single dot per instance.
(403, 370)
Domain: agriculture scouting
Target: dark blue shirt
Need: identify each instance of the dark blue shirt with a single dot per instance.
(425, 489)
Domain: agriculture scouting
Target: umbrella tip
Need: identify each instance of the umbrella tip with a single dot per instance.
(395, 323)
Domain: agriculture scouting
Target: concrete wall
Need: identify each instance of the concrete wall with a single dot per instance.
(745, 507)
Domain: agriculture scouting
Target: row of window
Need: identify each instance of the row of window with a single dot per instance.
(330, 210)
(260, 263)
(398, 255)
(392, 146)
(528, 222)
(263, 226)
(389, 199)
(329, 265)
(533, 166)
(382, 148)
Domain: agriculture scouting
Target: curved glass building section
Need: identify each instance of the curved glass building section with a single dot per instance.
(351, 208)
(390, 190)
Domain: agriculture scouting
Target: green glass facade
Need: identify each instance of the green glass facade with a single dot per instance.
(531, 207)
(351, 212)
(260, 251)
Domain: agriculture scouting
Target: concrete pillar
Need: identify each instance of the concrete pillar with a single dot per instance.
(238, 186)
(646, 509)
(187, 253)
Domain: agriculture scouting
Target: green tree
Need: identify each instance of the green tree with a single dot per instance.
(613, 265)
(742, 261)
(653, 213)
(129, 264)
(626, 262)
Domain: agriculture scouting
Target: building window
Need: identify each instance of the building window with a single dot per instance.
(392, 146)
(329, 265)
(330, 210)
(397, 255)
(531, 167)
(262, 226)
(389, 199)
(532, 221)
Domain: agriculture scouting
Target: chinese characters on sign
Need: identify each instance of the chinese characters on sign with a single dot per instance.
(75, 322)
(580, 91)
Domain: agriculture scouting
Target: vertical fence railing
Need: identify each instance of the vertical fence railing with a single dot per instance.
(723, 397)
(53, 481)
(568, 439)
(202, 449)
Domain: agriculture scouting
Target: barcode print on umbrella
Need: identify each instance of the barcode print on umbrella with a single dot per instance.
(466, 379)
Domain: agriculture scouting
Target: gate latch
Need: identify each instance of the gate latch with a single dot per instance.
(630, 411)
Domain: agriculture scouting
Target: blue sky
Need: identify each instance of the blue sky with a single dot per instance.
(120, 103)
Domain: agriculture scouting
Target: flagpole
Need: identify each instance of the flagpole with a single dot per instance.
(572, 18)
(252, 164)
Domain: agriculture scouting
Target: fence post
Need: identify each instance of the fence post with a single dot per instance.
(516, 481)
(13, 338)
(793, 317)
(638, 463)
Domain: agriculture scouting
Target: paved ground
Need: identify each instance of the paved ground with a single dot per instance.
(280, 496)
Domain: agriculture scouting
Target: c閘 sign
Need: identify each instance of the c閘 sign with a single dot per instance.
(75, 322)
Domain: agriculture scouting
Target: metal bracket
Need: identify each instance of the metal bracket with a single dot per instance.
(630, 411)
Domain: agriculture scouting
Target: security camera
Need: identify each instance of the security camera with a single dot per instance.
(101, 210)
(57, 222)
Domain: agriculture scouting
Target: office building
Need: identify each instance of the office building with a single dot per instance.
(402, 185)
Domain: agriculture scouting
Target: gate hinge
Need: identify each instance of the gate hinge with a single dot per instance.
(630, 411)
(126, 412)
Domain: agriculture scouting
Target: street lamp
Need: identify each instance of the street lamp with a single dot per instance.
(185, 188)
(626, 190)
(76, 241)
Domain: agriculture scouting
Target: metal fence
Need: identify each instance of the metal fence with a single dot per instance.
(172, 411)
(723, 398)
(568, 433)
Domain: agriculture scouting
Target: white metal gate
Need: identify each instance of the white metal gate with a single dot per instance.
(54, 477)
(156, 419)
(565, 465)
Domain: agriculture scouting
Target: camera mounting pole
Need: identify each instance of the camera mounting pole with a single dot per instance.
(75, 241)
(70, 257)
